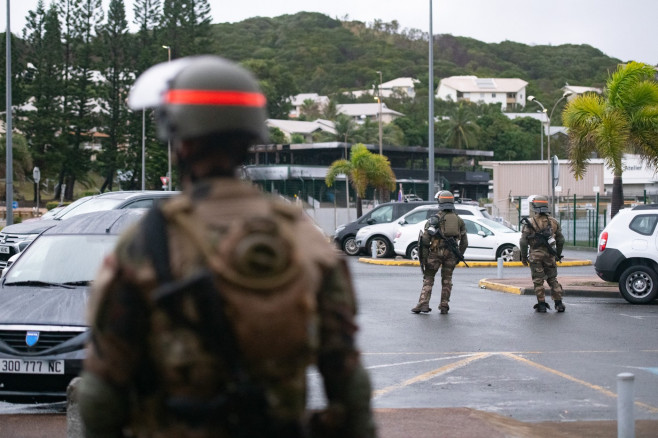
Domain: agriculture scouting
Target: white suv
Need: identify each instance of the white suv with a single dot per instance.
(628, 253)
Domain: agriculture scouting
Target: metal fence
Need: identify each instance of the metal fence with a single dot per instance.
(583, 219)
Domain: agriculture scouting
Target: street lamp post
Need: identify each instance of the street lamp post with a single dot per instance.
(430, 121)
(551, 180)
(541, 125)
(380, 112)
(9, 182)
(168, 141)
(548, 148)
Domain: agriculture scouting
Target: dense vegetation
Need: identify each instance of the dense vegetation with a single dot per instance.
(67, 46)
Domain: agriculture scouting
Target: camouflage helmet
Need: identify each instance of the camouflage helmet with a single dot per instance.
(539, 203)
(446, 200)
(202, 95)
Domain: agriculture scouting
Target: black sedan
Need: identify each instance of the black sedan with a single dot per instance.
(44, 296)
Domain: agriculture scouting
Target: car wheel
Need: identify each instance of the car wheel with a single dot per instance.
(382, 245)
(506, 252)
(412, 251)
(350, 247)
(639, 284)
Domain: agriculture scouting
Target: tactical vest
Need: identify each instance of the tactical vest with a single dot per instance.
(268, 285)
(450, 224)
(543, 225)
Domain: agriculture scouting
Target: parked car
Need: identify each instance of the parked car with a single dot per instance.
(628, 253)
(15, 238)
(384, 234)
(47, 215)
(487, 239)
(383, 213)
(44, 296)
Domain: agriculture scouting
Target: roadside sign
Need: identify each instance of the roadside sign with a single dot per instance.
(14, 204)
(164, 179)
(36, 174)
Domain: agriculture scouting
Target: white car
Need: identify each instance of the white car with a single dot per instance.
(628, 253)
(383, 234)
(487, 240)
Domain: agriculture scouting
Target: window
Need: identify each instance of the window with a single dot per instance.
(415, 217)
(382, 215)
(493, 95)
(644, 224)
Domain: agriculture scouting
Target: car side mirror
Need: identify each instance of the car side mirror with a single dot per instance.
(482, 233)
(402, 221)
(371, 221)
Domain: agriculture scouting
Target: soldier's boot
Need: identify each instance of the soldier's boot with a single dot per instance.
(559, 306)
(421, 308)
(444, 307)
(541, 306)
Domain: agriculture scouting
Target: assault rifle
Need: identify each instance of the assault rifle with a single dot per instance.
(452, 245)
(544, 239)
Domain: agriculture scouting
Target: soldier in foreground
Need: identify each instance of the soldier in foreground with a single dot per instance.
(441, 244)
(207, 315)
(541, 246)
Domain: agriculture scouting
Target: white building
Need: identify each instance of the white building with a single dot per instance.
(305, 129)
(505, 91)
(361, 111)
(575, 90)
(299, 100)
(395, 87)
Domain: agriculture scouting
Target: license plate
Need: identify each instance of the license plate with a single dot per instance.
(4, 250)
(29, 366)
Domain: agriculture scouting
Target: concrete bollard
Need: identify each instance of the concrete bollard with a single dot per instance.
(74, 426)
(625, 416)
(500, 268)
(373, 249)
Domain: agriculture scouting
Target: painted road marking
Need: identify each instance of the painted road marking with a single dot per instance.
(597, 388)
(429, 375)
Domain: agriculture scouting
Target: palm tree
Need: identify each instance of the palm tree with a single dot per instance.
(462, 129)
(363, 169)
(623, 120)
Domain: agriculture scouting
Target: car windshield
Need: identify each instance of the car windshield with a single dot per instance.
(61, 259)
(91, 205)
(496, 226)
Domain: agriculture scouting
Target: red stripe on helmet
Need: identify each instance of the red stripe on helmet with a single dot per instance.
(214, 97)
(539, 201)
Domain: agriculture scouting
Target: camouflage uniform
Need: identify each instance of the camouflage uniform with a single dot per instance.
(438, 255)
(535, 252)
(143, 370)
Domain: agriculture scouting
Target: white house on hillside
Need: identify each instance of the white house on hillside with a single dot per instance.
(298, 100)
(361, 111)
(575, 90)
(306, 129)
(398, 86)
(506, 91)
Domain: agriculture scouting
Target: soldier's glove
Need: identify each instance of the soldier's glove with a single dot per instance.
(524, 261)
(559, 258)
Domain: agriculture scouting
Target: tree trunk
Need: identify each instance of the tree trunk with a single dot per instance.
(617, 196)
(359, 207)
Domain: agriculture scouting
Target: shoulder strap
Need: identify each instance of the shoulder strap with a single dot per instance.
(154, 227)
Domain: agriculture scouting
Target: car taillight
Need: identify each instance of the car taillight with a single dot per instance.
(603, 240)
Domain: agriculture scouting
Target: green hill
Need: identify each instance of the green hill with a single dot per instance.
(326, 55)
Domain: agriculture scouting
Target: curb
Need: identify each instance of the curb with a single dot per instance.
(473, 264)
(485, 284)
(569, 291)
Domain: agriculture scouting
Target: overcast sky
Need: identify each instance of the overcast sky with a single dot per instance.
(627, 30)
